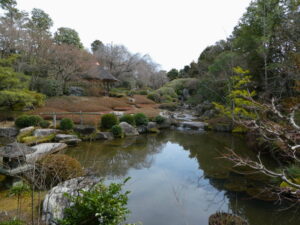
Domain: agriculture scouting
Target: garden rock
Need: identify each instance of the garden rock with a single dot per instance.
(67, 139)
(194, 125)
(152, 127)
(44, 132)
(142, 129)
(27, 130)
(104, 136)
(8, 132)
(185, 93)
(55, 201)
(165, 125)
(85, 129)
(76, 91)
(128, 129)
(44, 149)
(221, 218)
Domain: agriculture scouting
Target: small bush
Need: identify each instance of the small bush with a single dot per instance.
(141, 119)
(66, 124)
(168, 106)
(117, 131)
(128, 119)
(44, 124)
(154, 97)
(49, 87)
(143, 92)
(101, 203)
(108, 121)
(27, 121)
(57, 168)
(159, 119)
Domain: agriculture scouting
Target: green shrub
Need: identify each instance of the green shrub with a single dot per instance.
(101, 203)
(117, 131)
(108, 121)
(168, 106)
(141, 119)
(44, 124)
(66, 124)
(12, 222)
(159, 119)
(143, 92)
(27, 121)
(128, 119)
(49, 87)
(154, 97)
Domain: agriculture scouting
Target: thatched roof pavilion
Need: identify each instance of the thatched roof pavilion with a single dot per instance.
(99, 74)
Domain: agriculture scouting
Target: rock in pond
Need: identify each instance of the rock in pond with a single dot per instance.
(152, 127)
(44, 149)
(104, 136)
(85, 129)
(165, 125)
(67, 139)
(221, 218)
(8, 132)
(128, 129)
(194, 125)
(142, 129)
(55, 201)
(44, 132)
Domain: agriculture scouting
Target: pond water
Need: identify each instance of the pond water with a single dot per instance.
(177, 178)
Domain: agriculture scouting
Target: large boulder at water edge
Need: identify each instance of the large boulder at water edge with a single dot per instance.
(55, 201)
(128, 129)
(142, 129)
(194, 125)
(104, 136)
(67, 139)
(8, 132)
(152, 127)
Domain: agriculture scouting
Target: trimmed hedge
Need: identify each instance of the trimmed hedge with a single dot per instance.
(141, 119)
(108, 121)
(159, 119)
(117, 131)
(128, 119)
(28, 120)
(44, 124)
(66, 124)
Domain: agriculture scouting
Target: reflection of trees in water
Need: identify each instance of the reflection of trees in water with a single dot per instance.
(206, 148)
(114, 158)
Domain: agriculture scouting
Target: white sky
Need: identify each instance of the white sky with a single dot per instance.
(172, 32)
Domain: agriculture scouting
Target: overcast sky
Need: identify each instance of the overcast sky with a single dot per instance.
(172, 32)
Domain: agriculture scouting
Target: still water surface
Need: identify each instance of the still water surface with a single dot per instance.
(178, 179)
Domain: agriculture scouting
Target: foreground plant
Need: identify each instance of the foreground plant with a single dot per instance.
(105, 205)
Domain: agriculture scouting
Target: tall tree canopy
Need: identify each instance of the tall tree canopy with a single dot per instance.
(65, 35)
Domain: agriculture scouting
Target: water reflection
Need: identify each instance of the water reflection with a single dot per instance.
(179, 179)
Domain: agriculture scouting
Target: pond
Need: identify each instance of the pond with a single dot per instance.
(178, 178)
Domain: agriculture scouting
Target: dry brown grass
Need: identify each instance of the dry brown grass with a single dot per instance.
(96, 104)
(8, 204)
